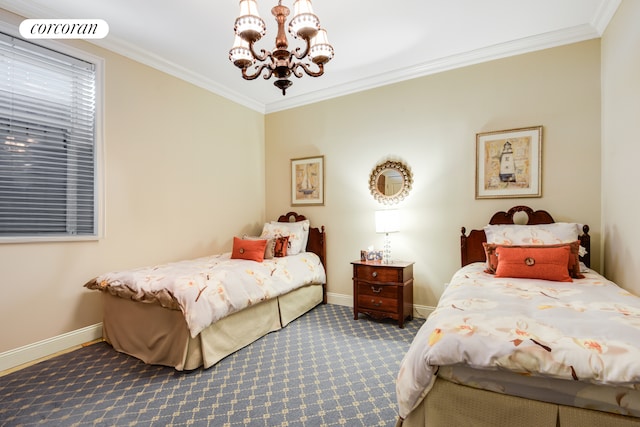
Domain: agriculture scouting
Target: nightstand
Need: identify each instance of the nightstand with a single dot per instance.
(383, 290)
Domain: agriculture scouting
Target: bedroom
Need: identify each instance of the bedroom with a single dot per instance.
(584, 94)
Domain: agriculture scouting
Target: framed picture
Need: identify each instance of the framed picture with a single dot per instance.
(509, 163)
(307, 181)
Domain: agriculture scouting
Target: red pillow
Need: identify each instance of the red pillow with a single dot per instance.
(280, 248)
(573, 265)
(248, 249)
(534, 263)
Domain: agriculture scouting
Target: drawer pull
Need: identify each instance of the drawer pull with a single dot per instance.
(377, 304)
(376, 291)
(374, 274)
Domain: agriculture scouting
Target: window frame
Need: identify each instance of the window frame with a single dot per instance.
(99, 178)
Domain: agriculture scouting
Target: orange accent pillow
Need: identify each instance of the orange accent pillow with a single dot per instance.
(280, 248)
(534, 263)
(573, 265)
(252, 250)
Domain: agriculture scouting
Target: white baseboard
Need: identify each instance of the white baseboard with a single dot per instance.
(419, 311)
(32, 352)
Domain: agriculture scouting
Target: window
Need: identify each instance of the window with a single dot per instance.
(48, 149)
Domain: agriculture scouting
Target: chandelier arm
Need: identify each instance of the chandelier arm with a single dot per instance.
(259, 57)
(309, 71)
(259, 69)
(300, 55)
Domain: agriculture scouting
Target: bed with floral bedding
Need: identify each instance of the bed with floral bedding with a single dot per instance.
(528, 335)
(193, 313)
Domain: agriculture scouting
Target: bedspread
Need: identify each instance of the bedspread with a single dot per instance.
(587, 330)
(210, 288)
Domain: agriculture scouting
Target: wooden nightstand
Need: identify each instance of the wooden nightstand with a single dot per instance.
(383, 290)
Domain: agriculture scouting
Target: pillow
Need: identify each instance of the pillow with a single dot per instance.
(540, 234)
(294, 230)
(269, 247)
(280, 249)
(293, 226)
(534, 262)
(573, 263)
(248, 249)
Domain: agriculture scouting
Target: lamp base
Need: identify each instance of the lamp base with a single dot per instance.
(386, 256)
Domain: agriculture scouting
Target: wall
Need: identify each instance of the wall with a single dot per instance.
(621, 146)
(431, 123)
(173, 153)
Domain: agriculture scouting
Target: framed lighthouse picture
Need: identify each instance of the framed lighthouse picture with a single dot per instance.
(307, 181)
(509, 163)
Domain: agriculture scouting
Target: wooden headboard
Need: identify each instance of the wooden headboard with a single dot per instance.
(471, 248)
(316, 243)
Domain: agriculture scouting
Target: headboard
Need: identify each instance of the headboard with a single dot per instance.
(471, 249)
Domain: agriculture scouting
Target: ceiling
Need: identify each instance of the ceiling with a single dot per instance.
(375, 43)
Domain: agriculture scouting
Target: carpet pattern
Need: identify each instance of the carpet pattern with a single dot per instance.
(323, 369)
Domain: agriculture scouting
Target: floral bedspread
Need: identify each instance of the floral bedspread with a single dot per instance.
(210, 288)
(587, 330)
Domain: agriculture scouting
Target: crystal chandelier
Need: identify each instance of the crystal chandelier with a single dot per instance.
(281, 62)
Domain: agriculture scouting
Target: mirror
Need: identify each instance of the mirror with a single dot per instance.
(390, 182)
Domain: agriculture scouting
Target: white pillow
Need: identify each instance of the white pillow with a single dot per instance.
(540, 234)
(293, 226)
(296, 231)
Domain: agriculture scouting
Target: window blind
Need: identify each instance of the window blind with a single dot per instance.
(47, 142)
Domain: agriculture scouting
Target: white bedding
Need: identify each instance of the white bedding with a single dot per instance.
(210, 288)
(587, 330)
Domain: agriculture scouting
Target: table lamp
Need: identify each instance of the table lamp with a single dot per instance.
(387, 221)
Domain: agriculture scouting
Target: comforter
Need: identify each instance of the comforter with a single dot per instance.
(587, 330)
(210, 288)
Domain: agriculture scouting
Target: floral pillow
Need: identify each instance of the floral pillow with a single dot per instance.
(540, 234)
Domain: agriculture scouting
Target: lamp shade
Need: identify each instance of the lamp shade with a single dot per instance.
(387, 221)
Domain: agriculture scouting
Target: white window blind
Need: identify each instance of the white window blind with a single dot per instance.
(47, 142)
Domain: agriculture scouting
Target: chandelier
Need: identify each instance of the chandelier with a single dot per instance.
(281, 62)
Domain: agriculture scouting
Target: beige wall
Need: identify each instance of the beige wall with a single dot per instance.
(621, 146)
(184, 173)
(431, 124)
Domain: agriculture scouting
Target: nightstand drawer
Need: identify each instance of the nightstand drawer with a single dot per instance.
(367, 302)
(376, 273)
(374, 290)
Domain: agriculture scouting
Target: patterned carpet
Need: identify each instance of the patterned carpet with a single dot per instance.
(324, 369)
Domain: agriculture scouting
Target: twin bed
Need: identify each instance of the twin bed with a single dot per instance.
(528, 337)
(194, 313)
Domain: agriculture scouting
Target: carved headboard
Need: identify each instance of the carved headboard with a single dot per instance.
(471, 249)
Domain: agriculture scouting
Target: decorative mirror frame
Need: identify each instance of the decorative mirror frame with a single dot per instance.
(407, 182)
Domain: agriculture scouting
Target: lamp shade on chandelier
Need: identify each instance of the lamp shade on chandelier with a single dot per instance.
(281, 62)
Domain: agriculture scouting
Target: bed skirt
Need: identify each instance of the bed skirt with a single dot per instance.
(449, 404)
(160, 336)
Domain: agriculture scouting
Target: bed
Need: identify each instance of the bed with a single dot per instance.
(504, 349)
(193, 313)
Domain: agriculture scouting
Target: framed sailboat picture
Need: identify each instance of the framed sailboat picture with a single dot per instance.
(509, 163)
(307, 181)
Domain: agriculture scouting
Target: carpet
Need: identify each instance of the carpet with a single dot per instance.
(323, 369)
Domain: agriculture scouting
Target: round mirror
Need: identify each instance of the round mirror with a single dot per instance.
(390, 182)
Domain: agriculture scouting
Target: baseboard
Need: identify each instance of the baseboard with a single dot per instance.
(42, 349)
(419, 311)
